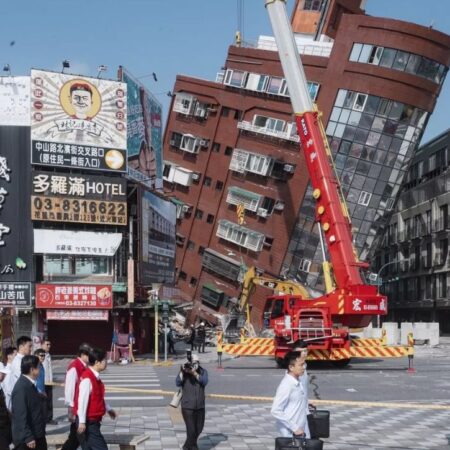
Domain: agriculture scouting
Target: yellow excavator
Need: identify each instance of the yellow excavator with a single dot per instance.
(238, 321)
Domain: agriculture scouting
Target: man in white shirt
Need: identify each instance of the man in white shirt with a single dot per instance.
(47, 364)
(24, 346)
(291, 401)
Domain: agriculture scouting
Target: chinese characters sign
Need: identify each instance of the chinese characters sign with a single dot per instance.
(63, 197)
(17, 295)
(77, 314)
(72, 296)
(16, 233)
(78, 122)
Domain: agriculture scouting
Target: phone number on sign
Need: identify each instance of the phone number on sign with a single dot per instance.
(74, 210)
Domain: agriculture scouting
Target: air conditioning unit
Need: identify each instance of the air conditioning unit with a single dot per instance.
(186, 208)
(196, 176)
(200, 112)
(289, 168)
(204, 142)
(262, 212)
(279, 206)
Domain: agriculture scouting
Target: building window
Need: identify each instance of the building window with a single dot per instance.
(237, 114)
(201, 250)
(239, 235)
(235, 78)
(268, 242)
(215, 147)
(442, 282)
(219, 185)
(193, 281)
(211, 296)
(198, 214)
(312, 5)
(249, 199)
(222, 265)
(175, 139)
(210, 218)
(57, 265)
(190, 144)
(207, 181)
(364, 198)
(190, 245)
(228, 151)
(182, 275)
(61, 265)
(184, 103)
(225, 111)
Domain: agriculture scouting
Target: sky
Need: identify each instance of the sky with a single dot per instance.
(167, 37)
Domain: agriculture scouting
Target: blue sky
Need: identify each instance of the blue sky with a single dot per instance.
(168, 37)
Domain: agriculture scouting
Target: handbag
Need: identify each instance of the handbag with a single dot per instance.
(297, 443)
(319, 423)
(176, 399)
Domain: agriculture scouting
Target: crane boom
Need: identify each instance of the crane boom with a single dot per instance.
(350, 297)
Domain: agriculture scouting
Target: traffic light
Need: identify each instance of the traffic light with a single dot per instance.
(165, 311)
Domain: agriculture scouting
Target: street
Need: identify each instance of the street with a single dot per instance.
(370, 402)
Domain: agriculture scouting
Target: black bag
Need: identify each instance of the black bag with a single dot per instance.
(319, 423)
(294, 443)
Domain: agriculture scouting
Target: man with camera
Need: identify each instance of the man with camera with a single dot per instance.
(192, 379)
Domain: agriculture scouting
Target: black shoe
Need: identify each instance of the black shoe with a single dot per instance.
(52, 422)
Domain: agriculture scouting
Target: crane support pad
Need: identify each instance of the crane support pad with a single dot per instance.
(250, 350)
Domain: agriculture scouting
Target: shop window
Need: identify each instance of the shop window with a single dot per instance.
(57, 265)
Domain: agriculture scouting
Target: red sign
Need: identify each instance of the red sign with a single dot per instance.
(77, 314)
(73, 296)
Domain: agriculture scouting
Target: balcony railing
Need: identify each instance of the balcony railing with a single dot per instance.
(248, 126)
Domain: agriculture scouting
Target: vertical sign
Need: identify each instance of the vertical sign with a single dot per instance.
(130, 289)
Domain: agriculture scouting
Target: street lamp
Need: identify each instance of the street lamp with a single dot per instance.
(154, 296)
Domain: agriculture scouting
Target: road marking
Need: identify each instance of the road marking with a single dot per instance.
(151, 397)
(253, 375)
(132, 385)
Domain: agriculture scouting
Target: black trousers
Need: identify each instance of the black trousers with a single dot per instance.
(5, 437)
(49, 392)
(92, 439)
(41, 444)
(73, 440)
(194, 420)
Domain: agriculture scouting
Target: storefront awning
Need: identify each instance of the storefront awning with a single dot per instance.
(62, 242)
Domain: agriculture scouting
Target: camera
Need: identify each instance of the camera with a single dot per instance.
(188, 365)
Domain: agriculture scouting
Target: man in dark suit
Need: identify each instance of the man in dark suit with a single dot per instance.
(28, 421)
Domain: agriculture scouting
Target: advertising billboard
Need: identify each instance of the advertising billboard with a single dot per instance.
(15, 101)
(78, 122)
(68, 296)
(63, 197)
(144, 133)
(158, 228)
(15, 295)
(16, 230)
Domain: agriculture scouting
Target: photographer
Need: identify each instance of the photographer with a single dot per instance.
(192, 379)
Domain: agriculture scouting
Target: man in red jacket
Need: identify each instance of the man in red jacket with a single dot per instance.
(90, 406)
(73, 374)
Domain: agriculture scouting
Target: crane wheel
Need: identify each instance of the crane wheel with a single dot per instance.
(341, 363)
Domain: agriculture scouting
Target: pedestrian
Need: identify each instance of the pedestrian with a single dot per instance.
(40, 381)
(290, 404)
(5, 419)
(24, 346)
(73, 374)
(191, 339)
(9, 353)
(171, 341)
(219, 348)
(46, 345)
(28, 422)
(90, 406)
(201, 334)
(192, 379)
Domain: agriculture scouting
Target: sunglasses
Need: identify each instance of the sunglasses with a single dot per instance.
(42, 355)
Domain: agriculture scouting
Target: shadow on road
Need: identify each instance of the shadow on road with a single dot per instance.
(211, 440)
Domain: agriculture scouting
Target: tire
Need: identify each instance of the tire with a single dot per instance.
(341, 363)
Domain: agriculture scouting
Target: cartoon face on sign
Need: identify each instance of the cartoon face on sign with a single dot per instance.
(80, 99)
(46, 296)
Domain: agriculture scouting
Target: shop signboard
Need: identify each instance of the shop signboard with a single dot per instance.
(15, 101)
(78, 122)
(63, 197)
(158, 229)
(74, 296)
(77, 314)
(16, 231)
(15, 295)
(144, 133)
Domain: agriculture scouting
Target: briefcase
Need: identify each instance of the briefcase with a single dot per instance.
(284, 443)
(319, 423)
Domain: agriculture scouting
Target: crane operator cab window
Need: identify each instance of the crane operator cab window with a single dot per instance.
(278, 309)
(267, 311)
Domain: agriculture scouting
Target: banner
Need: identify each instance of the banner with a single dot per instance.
(16, 231)
(15, 101)
(77, 314)
(63, 242)
(62, 197)
(158, 228)
(78, 122)
(73, 296)
(144, 133)
(16, 295)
